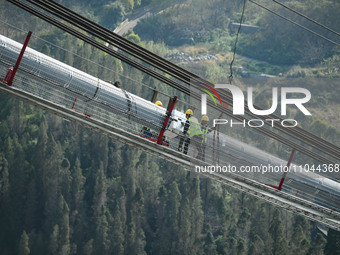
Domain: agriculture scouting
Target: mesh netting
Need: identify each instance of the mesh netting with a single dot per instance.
(73, 89)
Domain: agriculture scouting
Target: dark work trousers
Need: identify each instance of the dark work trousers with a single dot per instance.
(196, 143)
(201, 152)
(186, 145)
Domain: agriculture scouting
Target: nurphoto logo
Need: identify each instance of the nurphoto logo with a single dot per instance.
(239, 105)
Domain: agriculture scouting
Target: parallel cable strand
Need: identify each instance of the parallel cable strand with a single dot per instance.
(178, 72)
(330, 151)
(295, 23)
(306, 17)
(236, 40)
(168, 67)
(100, 46)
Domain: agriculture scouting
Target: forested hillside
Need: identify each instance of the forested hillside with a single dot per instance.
(277, 41)
(65, 189)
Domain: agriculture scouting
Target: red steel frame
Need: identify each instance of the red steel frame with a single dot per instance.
(171, 106)
(12, 71)
(74, 103)
(286, 170)
(285, 173)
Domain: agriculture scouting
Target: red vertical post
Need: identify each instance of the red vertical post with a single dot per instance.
(286, 170)
(171, 106)
(16, 66)
(74, 102)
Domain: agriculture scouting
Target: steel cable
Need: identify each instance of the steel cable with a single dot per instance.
(321, 144)
(178, 72)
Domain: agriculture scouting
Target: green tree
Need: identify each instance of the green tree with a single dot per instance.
(64, 226)
(100, 189)
(128, 4)
(161, 224)
(101, 241)
(241, 247)
(210, 245)
(23, 248)
(77, 187)
(112, 14)
(4, 178)
(117, 232)
(54, 240)
(318, 245)
(197, 216)
(299, 242)
(68, 58)
(333, 242)
(135, 38)
(88, 247)
(279, 244)
(256, 246)
(319, 127)
(184, 239)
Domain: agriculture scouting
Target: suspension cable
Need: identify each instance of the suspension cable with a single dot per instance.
(295, 23)
(91, 61)
(306, 17)
(236, 40)
(181, 73)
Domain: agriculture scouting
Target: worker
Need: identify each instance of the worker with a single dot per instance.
(117, 84)
(191, 133)
(204, 131)
(146, 131)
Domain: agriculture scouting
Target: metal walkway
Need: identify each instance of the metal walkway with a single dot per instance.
(278, 198)
(79, 97)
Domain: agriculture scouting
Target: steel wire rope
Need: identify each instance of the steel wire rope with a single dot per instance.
(98, 64)
(236, 40)
(99, 45)
(106, 35)
(46, 91)
(89, 60)
(98, 102)
(311, 136)
(306, 17)
(295, 23)
(122, 75)
(98, 111)
(296, 135)
(181, 88)
(311, 206)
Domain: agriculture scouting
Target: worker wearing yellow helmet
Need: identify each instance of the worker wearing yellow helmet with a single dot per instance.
(191, 132)
(184, 137)
(146, 130)
(204, 131)
(189, 113)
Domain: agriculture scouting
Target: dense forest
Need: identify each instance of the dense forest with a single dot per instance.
(65, 189)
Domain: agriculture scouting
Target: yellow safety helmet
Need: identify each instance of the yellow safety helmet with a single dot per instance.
(205, 118)
(189, 112)
(159, 103)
